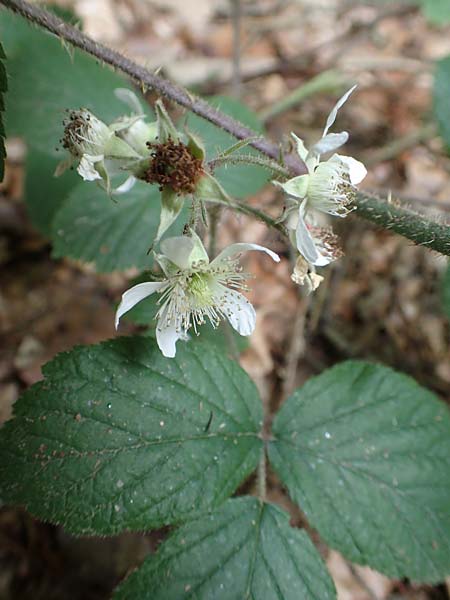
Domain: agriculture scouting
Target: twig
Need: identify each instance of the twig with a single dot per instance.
(146, 79)
(417, 228)
(296, 348)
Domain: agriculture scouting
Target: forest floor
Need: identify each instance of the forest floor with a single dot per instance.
(381, 301)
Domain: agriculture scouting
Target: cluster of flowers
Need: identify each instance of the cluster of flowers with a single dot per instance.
(193, 288)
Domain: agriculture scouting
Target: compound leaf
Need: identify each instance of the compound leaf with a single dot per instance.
(365, 452)
(244, 550)
(118, 437)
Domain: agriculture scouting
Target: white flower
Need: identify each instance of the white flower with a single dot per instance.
(195, 290)
(329, 186)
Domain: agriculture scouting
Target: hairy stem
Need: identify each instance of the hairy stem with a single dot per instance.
(249, 159)
(406, 222)
(415, 227)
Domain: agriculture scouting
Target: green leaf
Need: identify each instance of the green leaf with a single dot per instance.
(3, 89)
(446, 292)
(365, 452)
(111, 233)
(45, 80)
(441, 94)
(115, 437)
(238, 180)
(245, 550)
(437, 11)
(44, 193)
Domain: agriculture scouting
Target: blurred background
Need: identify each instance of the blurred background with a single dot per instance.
(386, 299)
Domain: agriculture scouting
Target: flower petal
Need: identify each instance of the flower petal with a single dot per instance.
(297, 186)
(87, 169)
(305, 241)
(234, 249)
(301, 150)
(167, 337)
(356, 170)
(332, 116)
(125, 186)
(329, 143)
(198, 252)
(178, 250)
(134, 295)
(237, 309)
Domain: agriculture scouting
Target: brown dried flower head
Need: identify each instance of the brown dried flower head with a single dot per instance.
(174, 165)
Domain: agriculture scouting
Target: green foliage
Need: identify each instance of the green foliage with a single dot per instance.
(3, 89)
(112, 233)
(441, 95)
(437, 12)
(365, 452)
(446, 292)
(44, 193)
(117, 437)
(45, 80)
(244, 550)
(238, 180)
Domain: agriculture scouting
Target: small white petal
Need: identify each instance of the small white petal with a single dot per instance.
(238, 310)
(301, 150)
(356, 170)
(305, 241)
(234, 249)
(167, 337)
(297, 186)
(87, 169)
(178, 250)
(125, 186)
(332, 116)
(134, 295)
(128, 97)
(329, 143)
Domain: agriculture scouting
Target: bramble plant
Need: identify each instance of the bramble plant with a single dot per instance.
(141, 432)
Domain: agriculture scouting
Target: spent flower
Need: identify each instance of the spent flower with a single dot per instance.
(196, 290)
(179, 170)
(105, 150)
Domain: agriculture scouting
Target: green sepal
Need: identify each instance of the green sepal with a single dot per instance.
(166, 128)
(208, 189)
(115, 148)
(171, 205)
(195, 146)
